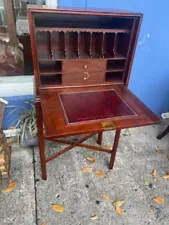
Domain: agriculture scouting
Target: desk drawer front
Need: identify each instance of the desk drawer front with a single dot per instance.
(84, 65)
(83, 78)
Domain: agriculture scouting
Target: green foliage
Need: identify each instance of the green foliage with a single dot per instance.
(26, 121)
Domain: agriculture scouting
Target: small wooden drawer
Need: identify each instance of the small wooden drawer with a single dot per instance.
(83, 78)
(83, 65)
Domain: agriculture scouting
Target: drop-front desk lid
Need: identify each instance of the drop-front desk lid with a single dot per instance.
(80, 110)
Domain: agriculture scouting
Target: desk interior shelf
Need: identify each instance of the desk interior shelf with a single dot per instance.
(85, 43)
(51, 80)
(60, 37)
(53, 67)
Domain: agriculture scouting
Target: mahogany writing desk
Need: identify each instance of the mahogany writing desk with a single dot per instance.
(82, 63)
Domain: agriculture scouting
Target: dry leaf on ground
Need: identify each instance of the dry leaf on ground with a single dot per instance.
(154, 173)
(146, 182)
(119, 210)
(86, 170)
(105, 196)
(95, 153)
(118, 203)
(159, 200)
(168, 157)
(91, 160)
(43, 224)
(58, 208)
(94, 218)
(100, 173)
(166, 176)
(10, 187)
(159, 151)
(155, 179)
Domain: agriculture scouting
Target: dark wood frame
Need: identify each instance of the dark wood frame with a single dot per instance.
(46, 94)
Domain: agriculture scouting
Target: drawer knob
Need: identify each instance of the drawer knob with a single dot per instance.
(85, 66)
(86, 75)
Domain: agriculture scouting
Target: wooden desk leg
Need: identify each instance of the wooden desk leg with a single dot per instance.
(100, 138)
(41, 139)
(114, 149)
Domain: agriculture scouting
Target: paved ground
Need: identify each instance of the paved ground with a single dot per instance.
(81, 193)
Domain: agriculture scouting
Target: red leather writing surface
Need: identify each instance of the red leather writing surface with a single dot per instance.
(88, 106)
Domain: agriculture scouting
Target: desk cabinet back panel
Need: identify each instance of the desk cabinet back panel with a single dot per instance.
(83, 47)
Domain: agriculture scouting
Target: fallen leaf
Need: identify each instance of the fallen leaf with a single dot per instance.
(86, 170)
(43, 224)
(94, 217)
(105, 196)
(155, 179)
(146, 182)
(10, 187)
(159, 151)
(126, 132)
(168, 157)
(95, 153)
(154, 173)
(91, 160)
(118, 203)
(159, 200)
(119, 210)
(166, 176)
(58, 208)
(100, 173)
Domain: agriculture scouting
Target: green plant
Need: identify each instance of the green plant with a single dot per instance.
(26, 121)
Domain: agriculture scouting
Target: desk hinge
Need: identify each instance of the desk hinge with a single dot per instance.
(108, 125)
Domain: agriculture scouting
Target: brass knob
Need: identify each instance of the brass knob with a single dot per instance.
(85, 66)
(86, 75)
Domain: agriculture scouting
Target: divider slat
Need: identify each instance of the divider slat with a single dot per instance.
(102, 45)
(78, 45)
(115, 46)
(50, 44)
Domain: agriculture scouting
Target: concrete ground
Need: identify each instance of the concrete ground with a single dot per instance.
(81, 193)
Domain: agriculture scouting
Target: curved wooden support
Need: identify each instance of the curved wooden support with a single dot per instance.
(90, 147)
(86, 137)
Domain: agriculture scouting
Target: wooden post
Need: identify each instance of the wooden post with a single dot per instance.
(114, 149)
(100, 138)
(10, 19)
(41, 139)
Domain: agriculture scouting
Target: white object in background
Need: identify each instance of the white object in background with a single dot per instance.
(12, 132)
(51, 3)
(165, 115)
(48, 3)
(22, 26)
(3, 101)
